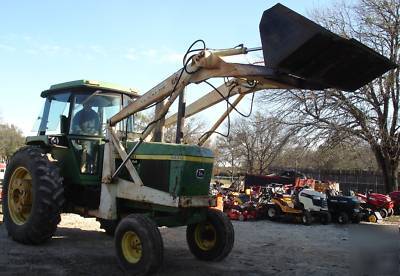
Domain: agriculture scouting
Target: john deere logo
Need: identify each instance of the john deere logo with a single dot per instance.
(200, 173)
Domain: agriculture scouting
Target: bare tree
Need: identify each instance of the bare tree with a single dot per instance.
(255, 142)
(327, 156)
(192, 131)
(370, 114)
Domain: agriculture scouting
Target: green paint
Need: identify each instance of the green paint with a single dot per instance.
(37, 140)
(181, 175)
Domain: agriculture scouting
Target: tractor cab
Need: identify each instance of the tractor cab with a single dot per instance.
(73, 122)
(82, 108)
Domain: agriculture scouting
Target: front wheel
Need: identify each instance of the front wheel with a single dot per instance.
(139, 245)
(390, 212)
(212, 239)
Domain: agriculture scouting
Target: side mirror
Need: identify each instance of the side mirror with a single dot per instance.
(63, 124)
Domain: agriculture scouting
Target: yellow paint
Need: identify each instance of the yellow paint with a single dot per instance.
(205, 236)
(131, 247)
(19, 196)
(174, 157)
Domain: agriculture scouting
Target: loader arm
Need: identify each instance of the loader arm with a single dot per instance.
(226, 90)
(297, 53)
(208, 65)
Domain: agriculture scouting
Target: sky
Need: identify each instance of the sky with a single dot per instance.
(131, 43)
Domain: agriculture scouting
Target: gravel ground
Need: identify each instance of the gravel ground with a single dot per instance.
(79, 247)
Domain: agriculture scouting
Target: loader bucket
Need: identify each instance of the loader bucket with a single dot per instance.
(298, 46)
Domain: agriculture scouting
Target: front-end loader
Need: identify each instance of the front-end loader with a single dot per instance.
(104, 167)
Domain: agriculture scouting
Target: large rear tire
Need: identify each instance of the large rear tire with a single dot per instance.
(212, 239)
(139, 245)
(33, 196)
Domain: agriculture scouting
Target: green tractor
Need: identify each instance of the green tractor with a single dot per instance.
(60, 170)
(90, 158)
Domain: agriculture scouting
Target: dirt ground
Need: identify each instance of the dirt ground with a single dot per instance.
(261, 248)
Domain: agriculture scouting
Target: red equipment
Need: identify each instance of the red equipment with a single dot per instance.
(242, 214)
(395, 196)
(377, 202)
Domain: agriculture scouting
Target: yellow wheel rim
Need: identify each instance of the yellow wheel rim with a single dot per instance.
(131, 247)
(372, 218)
(20, 195)
(205, 236)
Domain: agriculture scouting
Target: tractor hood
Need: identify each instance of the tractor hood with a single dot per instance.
(297, 46)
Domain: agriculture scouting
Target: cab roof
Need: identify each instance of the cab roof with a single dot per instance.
(89, 84)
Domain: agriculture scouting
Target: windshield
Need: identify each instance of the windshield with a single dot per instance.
(90, 113)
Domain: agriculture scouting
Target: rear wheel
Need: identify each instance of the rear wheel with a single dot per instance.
(383, 212)
(139, 245)
(212, 239)
(343, 218)
(33, 196)
(390, 212)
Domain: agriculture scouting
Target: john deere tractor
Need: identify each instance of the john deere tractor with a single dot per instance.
(91, 157)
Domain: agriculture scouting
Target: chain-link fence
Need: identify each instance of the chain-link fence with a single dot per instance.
(356, 180)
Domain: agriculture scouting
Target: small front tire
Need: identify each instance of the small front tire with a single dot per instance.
(138, 245)
(212, 239)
